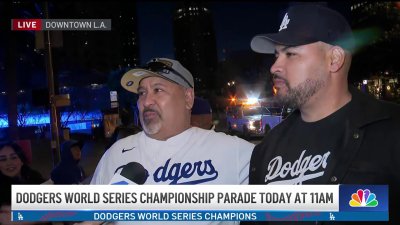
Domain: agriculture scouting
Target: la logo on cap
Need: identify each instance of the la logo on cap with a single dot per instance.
(285, 22)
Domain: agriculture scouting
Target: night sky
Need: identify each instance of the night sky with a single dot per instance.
(155, 30)
(235, 23)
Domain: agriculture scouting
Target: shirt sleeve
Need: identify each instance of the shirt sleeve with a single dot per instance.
(245, 149)
(100, 174)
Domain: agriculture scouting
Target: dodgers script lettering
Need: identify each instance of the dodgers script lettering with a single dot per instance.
(298, 170)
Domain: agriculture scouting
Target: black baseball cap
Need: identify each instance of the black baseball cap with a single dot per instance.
(305, 24)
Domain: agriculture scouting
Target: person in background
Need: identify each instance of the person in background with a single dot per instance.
(68, 171)
(201, 114)
(338, 134)
(13, 170)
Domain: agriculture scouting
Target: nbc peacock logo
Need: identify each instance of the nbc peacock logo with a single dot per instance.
(363, 198)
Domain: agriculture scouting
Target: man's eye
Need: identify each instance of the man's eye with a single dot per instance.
(289, 54)
(140, 93)
(158, 90)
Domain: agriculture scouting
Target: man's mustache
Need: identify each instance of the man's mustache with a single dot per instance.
(150, 110)
(276, 76)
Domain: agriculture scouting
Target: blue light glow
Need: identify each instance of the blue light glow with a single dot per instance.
(73, 120)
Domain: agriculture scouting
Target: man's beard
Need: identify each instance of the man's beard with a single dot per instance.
(150, 126)
(297, 96)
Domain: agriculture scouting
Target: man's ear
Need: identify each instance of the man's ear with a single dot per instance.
(337, 58)
(189, 98)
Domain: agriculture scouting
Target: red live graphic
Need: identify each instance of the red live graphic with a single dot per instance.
(26, 24)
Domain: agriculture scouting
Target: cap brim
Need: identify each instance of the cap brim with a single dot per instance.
(262, 44)
(131, 79)
(265, 43)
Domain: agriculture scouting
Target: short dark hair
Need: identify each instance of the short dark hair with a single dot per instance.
(201, 106)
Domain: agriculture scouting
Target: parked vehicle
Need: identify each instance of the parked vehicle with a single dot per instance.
(254, 120)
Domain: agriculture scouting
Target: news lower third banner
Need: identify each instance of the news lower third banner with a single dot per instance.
(200, 203)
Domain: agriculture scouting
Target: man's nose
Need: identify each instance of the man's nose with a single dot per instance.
(277, 67)
(147, 99)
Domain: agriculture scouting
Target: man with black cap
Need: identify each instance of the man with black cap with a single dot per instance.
(336, 135)
(170, 150)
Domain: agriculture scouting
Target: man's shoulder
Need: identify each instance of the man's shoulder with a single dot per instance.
(366, 106)
(220, 139)
(214, 135)
(130, 138)
(287, 122)
(369, 100)
(392, 108)
(280, 130)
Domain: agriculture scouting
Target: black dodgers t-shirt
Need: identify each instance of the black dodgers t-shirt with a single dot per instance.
(304, 150)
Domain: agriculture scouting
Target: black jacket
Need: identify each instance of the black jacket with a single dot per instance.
(68, 170)
(371, 154)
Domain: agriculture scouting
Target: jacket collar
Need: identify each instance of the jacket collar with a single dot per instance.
(365, 109)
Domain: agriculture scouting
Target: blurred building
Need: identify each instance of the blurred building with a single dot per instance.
(377, 32)
(383, 86)
(195, 44)
(103, 51)
(375, 69)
